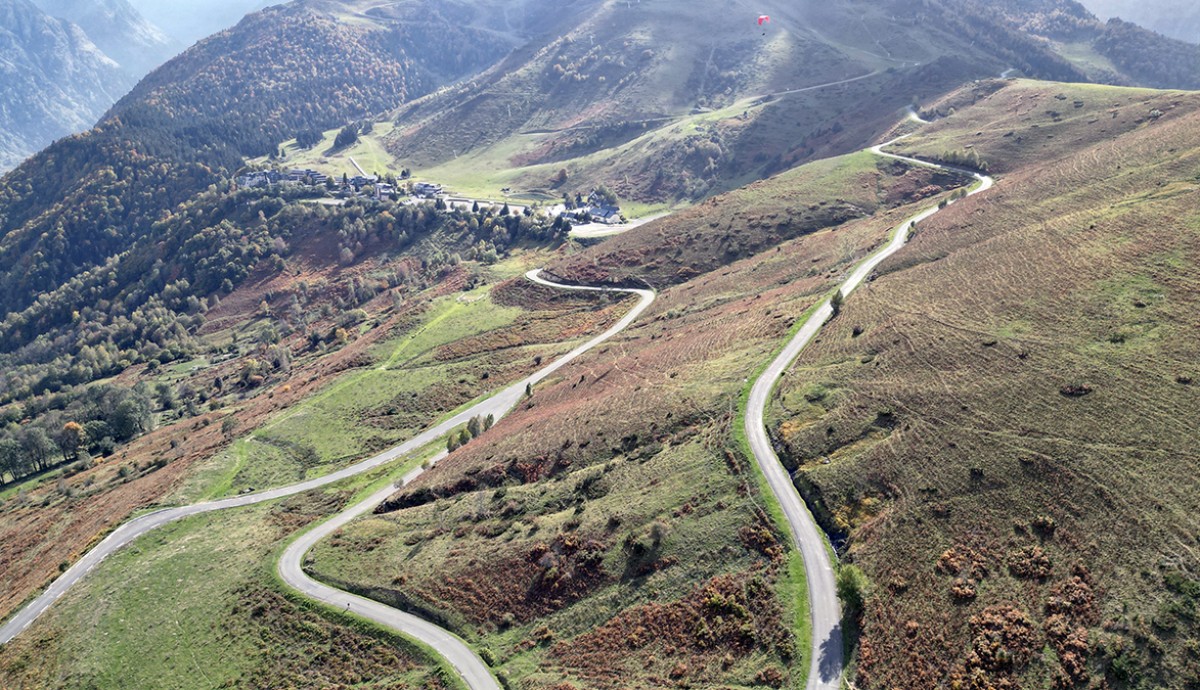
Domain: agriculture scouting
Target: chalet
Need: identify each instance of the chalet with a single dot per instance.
(306, 176)
(601, 211)
(609, 215)
(427, 190)
(259, 178)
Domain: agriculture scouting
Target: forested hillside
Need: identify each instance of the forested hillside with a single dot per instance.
(1178, 19)
(118, 240)
(1120, 52)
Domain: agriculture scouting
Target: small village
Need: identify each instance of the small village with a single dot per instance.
(595, 208)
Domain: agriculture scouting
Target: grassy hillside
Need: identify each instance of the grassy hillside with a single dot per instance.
(608, 532)
(751, 220)
(168, 338)
(295, 326)
(663, 103)
(1001, 423)
(228, 625)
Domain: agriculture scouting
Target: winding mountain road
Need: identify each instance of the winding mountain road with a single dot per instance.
(291, 566)
(827, 658)
(827, 662)
(473, 669)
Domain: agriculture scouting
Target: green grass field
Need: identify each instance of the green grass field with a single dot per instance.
(196, 605)
(644, 435)
(325, 157)
(405, 389)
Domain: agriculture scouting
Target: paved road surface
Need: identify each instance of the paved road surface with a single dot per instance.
(472, 669)
(825, 671)
(598, 230)
(497, 405)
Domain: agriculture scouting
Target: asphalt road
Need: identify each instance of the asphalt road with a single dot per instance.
(827, 657)
(598, 230)
(472, 668)
(825, 671)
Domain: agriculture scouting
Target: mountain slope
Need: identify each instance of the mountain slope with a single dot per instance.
(54, 80)
(188, 21)
(1001, 422)
(128, 223)
(661, 110)
(117, 29)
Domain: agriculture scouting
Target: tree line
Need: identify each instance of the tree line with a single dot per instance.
(73, 428)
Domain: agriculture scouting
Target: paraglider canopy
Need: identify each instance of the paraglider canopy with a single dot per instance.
(763, 19)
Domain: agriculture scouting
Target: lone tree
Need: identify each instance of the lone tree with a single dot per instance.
(852, 587)
(347, 137)
(71, 440)
(836, 302)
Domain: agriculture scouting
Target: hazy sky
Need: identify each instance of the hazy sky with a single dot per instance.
(1175, 18)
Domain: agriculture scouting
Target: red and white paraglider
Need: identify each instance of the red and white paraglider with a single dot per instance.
(763, 20)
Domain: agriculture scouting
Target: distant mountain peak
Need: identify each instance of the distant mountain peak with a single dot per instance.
(118, 29)
(61, 80)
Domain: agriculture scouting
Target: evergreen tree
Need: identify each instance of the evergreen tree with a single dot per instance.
(347, 137)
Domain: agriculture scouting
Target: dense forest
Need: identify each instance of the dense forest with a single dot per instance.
(190, 123)
(1003, 29)
(73, 428)
(1149, 57)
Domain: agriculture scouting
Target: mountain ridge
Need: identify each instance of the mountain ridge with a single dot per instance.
(117, 29)
(56, 80)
